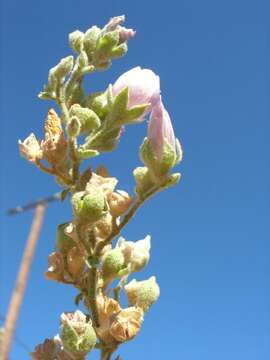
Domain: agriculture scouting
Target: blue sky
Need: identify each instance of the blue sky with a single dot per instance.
(210, 233)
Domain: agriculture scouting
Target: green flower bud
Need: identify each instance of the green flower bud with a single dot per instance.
(63, 242)
(108, 41)
(74, 127)
(89, 206)
(113, 262)
(90, 40)
(78, 336)
(76, 40)
(87, 117)
(82, 60)
(62, 69)
(143, 293)
(143, 180)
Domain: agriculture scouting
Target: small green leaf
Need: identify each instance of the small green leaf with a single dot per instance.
(168, 159)
(179, 152)
(119, 51)
(64, 194)
(172, 180)
(119, 107)
(134, 113)
(87, 153)
(44, 95)
(78, 299)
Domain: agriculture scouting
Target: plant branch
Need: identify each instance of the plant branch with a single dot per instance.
(53, 171)
(116, 231)
(76, 162)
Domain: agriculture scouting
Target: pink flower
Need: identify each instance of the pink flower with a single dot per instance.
(143, 87)
(160, 129)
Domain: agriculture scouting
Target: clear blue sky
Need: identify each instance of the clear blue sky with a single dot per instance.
(211, 233)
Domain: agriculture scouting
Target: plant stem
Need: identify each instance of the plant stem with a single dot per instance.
(92, 295)
(74, 158)
(52, 171)
(125, 220)
(106, 354)
(61, 100)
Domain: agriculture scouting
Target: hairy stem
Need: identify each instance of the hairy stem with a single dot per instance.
(124, 222)
(106, 354)
(74, 158)
(52, 171)
(92, 295)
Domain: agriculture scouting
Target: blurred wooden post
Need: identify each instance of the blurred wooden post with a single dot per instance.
(18, 292)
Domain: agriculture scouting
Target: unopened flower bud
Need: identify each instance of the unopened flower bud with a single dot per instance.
(75, 261)
(107, 42)
(144, 181)
(89, 206)
(127, 324)
(87, 117)
(76, 40)
(113, 262)
(119, 202)
(163, 151)
(143, 293)
(78, 336)
(64, 242)
(90, 40)
(82, 60)
(73, 127)
(30, 149)
(62, 69)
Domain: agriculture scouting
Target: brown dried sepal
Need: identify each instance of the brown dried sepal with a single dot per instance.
(55, 267)
(107, 310)
(126, 324)
(103, 227)
(105, 184)
(45, 351)
(119, 202)
(54, 145)
(76, 262)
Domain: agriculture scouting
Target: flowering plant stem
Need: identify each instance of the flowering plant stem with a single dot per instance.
(85, 256)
